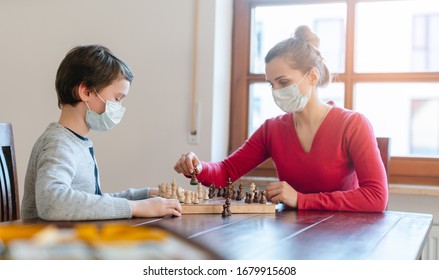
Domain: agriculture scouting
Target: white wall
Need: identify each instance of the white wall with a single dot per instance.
(156, 38)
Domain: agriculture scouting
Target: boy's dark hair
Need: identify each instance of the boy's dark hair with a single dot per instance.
(93, 65)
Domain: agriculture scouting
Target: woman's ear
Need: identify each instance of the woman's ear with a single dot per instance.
(314, 76)
(83, 92)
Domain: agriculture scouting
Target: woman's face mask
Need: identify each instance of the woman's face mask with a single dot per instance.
(289, 99)
(108, 119)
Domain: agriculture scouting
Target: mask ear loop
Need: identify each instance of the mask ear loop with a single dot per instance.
(99, 95)
(86, 104)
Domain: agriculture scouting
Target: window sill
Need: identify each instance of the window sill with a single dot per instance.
(414, 190)
(419, 190)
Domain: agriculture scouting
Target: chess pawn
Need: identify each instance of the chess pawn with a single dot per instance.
(180, 194)
(187, 197)
(246, 197)
(195, 199)
(168, 191)
(174, 190)
(263, 198)
(219, 194)
(200, 191)
(252, 189)
(162, 190)
(211, 191)
(238, 195)
(224, 213)
(256, 196)
(228, 211)
(241, 192)
(226, 192)
(234, 194)
(207, 194)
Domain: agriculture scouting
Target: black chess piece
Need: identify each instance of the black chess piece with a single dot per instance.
(228, 211)
(211, 191)
(248, 197)
(224, 213)
(238, 195)
(219, 194)
(241, 192)
(263, 198)
(256, 197)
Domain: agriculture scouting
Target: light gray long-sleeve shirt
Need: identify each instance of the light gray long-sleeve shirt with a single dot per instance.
(62, 179)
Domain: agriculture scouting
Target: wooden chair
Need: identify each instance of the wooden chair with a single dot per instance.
(384, 147)
(9, 198)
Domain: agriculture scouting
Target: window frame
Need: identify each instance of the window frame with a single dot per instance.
(402, 170)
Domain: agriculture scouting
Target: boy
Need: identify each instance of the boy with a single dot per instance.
(62, 179)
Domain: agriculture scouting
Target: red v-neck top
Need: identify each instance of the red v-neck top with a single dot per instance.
(343, 170)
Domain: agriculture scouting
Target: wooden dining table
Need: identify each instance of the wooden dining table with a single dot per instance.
(291, 234)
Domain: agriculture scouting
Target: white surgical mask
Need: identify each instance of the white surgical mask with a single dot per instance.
(108, 119)
(289, 99)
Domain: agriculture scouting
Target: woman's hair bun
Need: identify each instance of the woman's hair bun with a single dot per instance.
(305, 34)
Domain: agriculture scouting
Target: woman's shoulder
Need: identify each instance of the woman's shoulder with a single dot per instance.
(347, 114)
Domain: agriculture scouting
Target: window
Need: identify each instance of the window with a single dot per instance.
(385, 59)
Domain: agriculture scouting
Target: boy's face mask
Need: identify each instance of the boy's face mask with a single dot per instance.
(108, 119)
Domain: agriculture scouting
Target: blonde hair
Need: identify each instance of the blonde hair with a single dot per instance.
(302, 53)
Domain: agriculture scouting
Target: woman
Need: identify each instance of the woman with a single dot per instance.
(326, 157)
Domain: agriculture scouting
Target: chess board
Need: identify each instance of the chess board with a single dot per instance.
(215, 206)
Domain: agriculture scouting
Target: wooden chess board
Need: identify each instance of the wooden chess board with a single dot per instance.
(215, 206)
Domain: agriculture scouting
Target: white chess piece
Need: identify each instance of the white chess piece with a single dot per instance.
(200, 191)
(180, 194)
(162, 190)
(168, 191)
(174, 190)
(252, 190)
(195, 198)
(206, 195)
(187, 197)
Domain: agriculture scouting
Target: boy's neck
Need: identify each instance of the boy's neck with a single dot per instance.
(73, 118)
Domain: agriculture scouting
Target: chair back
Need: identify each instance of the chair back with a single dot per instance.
(384, 147)
(9, 198)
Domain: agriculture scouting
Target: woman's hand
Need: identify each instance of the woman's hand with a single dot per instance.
(281, 192)
(155, 207)
(187, 164)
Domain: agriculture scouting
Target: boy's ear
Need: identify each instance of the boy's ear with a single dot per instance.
(83, 92)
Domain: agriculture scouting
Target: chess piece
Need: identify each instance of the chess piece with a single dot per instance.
(194, 180)
(238, 195)
(219, 194)
(162, 190)
(226, 192)
(207, 194)
(195, 199)
(212, 190)
(256, 196)
(174, 189)
(251, 190)
(247, 195)
(263, 198)
(200, 191)
(168, 191)
(241, 192)
(187, 197)
(228, 211)
(224, 213)
(229, 189)
(234, 193)
(180, 194)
